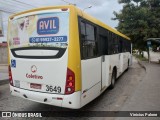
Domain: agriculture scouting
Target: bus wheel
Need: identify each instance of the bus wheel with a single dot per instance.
(113, 79)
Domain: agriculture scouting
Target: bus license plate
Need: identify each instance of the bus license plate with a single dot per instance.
(35, 86)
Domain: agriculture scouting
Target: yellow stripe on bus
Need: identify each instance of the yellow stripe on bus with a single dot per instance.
(74, 60)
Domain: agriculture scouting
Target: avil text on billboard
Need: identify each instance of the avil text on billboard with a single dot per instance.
(48, 25)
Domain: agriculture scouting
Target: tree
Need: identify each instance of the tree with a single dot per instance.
(139, 19)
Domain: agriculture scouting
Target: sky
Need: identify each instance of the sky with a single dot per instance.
(101, 9)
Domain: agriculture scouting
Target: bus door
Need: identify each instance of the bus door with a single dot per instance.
(104, 60)
(121, 57)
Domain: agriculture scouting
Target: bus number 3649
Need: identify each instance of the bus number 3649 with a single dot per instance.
(56, 89)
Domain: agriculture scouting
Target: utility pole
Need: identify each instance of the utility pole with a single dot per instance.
(149, 49)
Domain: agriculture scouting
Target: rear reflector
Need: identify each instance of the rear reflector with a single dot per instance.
(70, 82)
(58, 98)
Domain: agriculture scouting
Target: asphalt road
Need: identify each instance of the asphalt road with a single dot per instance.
(110, 100)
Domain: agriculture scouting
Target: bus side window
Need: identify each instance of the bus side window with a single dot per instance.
(124, 46)
(110, 43)
(103, 50)
(115, 45)
(88, 41)
(128, 46)
(82, 31)
(102, 41)
(120, 45)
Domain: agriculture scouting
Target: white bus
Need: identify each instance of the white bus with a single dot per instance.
(63, 57)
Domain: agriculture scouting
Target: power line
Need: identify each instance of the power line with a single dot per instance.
(7, 3)
(6, 11)
(23, 3)
(68, 2)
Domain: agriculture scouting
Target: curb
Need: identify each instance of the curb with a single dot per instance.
(5, 81)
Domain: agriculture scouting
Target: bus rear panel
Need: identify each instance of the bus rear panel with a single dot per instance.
(38, 58)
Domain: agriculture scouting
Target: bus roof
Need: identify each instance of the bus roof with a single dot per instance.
(80, 13)
(98, 22)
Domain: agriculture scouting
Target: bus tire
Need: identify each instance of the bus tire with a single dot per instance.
(113, 79)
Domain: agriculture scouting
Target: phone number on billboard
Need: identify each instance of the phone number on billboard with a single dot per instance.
(48, 39)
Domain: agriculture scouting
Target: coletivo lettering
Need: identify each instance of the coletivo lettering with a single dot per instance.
(33, 76)
(48, 25)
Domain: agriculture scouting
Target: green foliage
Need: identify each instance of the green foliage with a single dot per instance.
(140, 57)
(139, 19)
(124, 1)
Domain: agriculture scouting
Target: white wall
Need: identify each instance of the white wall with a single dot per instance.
(3, 55)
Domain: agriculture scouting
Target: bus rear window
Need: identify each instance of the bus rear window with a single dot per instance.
(41, 30)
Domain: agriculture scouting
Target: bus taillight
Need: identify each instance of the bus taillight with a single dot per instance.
(70, 82)
(10, 75)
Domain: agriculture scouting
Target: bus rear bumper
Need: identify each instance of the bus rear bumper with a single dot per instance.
(67, 101)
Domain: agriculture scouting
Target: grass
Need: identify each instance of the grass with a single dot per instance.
(140, 57)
